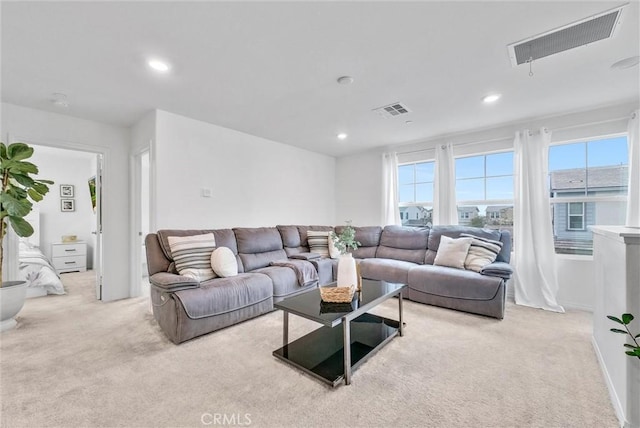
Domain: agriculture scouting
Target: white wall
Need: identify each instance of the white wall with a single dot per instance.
(66, 167)
(50, 129)
(359, 178)
(253, 181)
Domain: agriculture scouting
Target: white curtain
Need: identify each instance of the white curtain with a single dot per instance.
(390, 210)
(633, 206)
(536, 280)
(445, 211)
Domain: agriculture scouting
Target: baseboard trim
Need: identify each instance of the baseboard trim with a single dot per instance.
(615, 401)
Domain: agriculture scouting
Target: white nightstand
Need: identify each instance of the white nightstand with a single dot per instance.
(69, 256)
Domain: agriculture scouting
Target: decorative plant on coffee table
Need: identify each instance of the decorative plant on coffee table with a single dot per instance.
(634, 350)
(18, 193)
(345, 242)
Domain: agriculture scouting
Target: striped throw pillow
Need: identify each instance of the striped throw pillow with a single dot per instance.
(482, 252)
(192, 255)
(318, 242)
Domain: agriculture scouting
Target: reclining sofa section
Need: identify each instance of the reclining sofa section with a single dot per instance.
(185, 308)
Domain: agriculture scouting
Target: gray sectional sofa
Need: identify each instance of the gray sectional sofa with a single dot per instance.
(185, 308)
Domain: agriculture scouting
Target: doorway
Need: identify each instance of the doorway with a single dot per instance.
(141, 204)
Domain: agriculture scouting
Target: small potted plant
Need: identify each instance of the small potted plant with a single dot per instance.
(345, 242)
(633, 350)
(18, 192)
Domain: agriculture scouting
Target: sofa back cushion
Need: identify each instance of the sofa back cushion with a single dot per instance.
(224, 238)
(455, 232)
(258, 246)
(294, 238)
(369, 238)
(403, 243)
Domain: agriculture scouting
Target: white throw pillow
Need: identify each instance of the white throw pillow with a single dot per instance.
(192, 255)
(318, 242)
(224, 262)
(452, 252)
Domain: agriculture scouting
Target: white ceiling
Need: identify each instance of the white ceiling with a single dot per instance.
(270, 69)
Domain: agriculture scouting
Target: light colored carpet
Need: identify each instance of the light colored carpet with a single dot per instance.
(77, 362)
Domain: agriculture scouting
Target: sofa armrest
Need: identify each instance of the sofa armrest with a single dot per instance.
(499, 269)
(171, 282)
(325, 270)
(305, 256)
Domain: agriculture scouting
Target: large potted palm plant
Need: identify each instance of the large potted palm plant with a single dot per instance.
(18, 192)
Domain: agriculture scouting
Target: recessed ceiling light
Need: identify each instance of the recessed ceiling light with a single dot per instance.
(342, 136)
(491, 98)
(60, 100)
(408, 122)
(345, 80)
(158, 65)
(626, 63)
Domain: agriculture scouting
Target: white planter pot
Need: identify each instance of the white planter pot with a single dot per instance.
(347, 273)
(12, 295)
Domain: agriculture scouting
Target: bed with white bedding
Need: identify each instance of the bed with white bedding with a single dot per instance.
(35, 268)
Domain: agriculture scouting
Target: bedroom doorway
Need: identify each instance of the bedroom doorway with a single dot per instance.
(142, 218)
(70, 216)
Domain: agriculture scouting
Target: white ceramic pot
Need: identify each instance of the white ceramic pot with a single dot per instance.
(347, 272)
(12, 295)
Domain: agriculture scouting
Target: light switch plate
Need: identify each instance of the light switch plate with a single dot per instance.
(205, 192)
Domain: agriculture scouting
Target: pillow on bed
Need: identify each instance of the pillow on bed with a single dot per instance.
(192, 255)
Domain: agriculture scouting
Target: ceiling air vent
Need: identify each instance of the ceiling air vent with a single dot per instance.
(392, 110)
(583, 32)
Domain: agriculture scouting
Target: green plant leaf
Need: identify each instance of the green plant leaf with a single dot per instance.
(40, 188)
(626, 345)
(19, 151)
(24, 168)
(627, 318)
(17, 207)
(612, 318)
(637, 336)
(37, 197)
(45, 181)
(3, 151)
(617, 330)
(21, 226)
(25, 180)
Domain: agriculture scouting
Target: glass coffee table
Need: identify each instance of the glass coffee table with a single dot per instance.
(329, 353)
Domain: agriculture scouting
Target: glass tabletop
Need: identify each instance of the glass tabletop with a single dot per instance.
(309, 305)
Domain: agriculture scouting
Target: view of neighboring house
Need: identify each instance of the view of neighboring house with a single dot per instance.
(571, 220)
(499, 215)
(416, 216)
(467, 214)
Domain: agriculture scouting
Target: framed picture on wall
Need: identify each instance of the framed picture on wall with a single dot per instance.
(67, 205)
(66, 191)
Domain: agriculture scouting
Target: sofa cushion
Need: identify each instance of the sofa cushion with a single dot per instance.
(284, 280)
(386, 270)
(257, 247)
(455, 283)
(481, 252)
(223, 295)
(192, 255)
(403, 243)
(318, 242)
(223, 262)
(290, 236)
(304, 229)
(369, 238)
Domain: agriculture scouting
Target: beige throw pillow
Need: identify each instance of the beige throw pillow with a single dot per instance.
(223, 262)
(482, 252)
(452, 252)
(318, 242)
(192, 255)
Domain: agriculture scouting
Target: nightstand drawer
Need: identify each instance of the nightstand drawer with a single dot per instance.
(73, 262)
(65, 250)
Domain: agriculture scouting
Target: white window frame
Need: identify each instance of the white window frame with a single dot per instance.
(582, 216)
(472, 202)
(418, 203)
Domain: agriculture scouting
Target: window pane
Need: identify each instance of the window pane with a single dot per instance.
(575, 222)
(576, 208)
(568, 182)
(405, 193)
(470, 167)
(424, 192)
(500, 164)
(417, 216)
(612, 151)
(567, 156)
(581, 241)
(424, 172)
(470, 189)
(405, 174)
(500, 188)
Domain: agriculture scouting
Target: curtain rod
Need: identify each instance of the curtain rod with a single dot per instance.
(495, 140)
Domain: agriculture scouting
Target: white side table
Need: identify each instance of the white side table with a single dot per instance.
(69, 256)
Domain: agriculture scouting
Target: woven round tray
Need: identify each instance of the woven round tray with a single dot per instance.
(333, 294)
